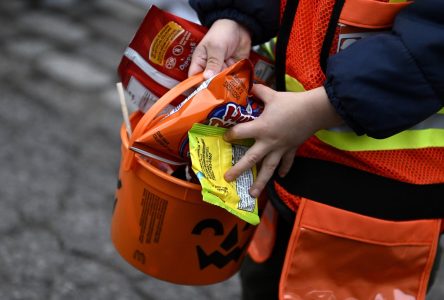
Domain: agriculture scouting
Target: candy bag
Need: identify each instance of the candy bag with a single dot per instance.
(220, 101)
(159, 56)
(211, 157)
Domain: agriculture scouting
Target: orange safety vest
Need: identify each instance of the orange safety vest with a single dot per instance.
(399, 157)
(333, 253)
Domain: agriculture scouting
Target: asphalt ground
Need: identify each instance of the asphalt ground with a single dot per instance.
(60, 153)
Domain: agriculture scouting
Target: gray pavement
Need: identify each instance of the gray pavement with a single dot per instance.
(60, 118)
(59, 155)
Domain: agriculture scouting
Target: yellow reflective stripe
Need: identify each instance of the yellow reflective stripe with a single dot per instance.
(408, 139)
(293, 85)
(429, 133)
(435, 121)
(268, 48)
(272, 48)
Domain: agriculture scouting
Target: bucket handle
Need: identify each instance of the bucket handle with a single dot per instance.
(158, 106)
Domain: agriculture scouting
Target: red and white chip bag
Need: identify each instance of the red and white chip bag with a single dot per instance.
(159, 56)
(219, 101)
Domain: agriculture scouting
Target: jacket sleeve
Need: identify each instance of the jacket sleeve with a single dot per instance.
(386, 83)
(260, 17)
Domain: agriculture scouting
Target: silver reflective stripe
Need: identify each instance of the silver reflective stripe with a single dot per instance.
(434, 122)
(157, 76)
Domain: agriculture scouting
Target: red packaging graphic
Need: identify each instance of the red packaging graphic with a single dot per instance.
(159, 56)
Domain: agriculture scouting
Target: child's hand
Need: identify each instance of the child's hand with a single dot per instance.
(225, 43)
(286, 122)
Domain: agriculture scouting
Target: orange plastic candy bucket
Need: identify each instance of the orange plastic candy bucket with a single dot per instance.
(160, 223)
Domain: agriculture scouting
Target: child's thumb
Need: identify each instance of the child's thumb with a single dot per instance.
(215, 61)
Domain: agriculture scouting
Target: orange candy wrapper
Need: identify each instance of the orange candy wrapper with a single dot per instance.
(219, 101)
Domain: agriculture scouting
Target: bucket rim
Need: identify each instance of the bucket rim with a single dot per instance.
(165, 176)
(125, 144)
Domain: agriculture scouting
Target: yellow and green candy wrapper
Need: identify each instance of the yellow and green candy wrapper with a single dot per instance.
(211, 157)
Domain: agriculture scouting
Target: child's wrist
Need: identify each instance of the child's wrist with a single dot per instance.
(324, 112)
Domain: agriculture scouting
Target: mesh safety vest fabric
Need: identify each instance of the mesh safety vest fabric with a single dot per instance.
(414, 156)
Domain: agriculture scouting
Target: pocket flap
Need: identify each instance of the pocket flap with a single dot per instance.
(370, 13)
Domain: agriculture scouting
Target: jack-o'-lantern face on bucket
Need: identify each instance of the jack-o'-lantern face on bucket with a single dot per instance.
(229, 250)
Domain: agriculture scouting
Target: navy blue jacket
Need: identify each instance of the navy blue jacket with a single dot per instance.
(380, 85)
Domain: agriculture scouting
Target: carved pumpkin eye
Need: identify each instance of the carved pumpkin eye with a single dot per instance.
(214, 224)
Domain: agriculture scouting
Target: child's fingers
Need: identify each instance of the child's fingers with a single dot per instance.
(268, 166)
(230, 61)
(251, 158)
(215, 59)
(286, 163)
(263, 92)
(242, 131)
(198, 61)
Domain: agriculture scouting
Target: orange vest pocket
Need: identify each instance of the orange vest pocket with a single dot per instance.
(370, 13)
(337, 255)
